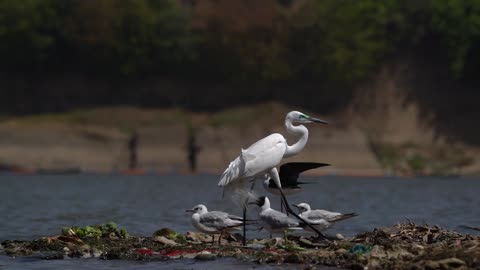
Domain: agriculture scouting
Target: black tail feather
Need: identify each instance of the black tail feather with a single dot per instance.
(344, 216)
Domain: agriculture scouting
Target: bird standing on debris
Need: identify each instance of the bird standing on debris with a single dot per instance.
(274, 221)
(262, 157)
(320, 219)
(214, 222)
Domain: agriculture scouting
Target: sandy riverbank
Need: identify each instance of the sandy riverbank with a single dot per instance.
(96, 140)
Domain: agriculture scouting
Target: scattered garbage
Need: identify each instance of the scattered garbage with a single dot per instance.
(403, 246)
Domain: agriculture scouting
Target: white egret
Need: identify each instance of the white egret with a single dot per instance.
(320, 219)
(214, 222)
(263, 156)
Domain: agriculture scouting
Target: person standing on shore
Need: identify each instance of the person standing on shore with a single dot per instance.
(192, 149)
(132, 149)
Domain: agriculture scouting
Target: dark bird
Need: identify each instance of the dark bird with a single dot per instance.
(289, 174)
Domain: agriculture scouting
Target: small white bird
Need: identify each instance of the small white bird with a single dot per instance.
(272, 220)
(320, 219)
(263, 156)
(214, 222)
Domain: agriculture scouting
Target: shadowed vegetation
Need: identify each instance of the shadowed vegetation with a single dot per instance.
(58, 55)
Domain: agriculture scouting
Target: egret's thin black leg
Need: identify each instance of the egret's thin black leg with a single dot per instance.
(244, 240)
(287, 207)
(283, 206)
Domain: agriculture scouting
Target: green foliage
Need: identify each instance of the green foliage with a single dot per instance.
(317, 40)
(291, 246)
(131, 36)
(387, 154)
(416, 162)
(125, 37)
(171, 234)
(26, 32)
(102, 230)
(342, 40)
(458, 24)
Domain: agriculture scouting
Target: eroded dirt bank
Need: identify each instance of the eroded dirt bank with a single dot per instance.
(97, 140)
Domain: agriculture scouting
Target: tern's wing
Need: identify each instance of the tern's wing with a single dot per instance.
(328, 216)
(240, 219)
(289, 172)
(343, 216)
(218, 220)
(322, 214)
(235, 217)
(317, 222)
(277, 220)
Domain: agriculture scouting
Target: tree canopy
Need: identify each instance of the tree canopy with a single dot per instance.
(339, 40)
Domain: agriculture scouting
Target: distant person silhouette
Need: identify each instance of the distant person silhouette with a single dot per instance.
(132, 148)
(192, 149)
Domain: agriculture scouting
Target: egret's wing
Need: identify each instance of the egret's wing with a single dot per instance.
(259, 157)
(235, 170)
(278, 221)
(267, 153)
(289, 172)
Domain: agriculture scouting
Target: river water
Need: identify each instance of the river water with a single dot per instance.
(38, 205)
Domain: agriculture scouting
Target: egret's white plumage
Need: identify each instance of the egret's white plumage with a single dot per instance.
(320, 219)
(263, 156)
(256, 159)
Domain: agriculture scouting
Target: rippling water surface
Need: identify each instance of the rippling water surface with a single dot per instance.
(35, 206)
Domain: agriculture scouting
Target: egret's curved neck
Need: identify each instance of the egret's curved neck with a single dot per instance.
(299, 131)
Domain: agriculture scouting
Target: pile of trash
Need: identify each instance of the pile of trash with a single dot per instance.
(403, 246)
